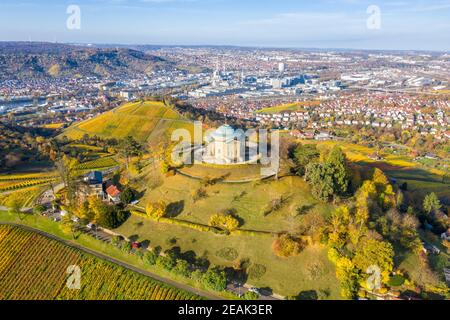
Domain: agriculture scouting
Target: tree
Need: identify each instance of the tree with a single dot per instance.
(150, 257)
(304, 154)
(347, 275)
(105, 215)
(156, 210)
(67, 169)
(380, 180)
(129, 147)
(214, 279)
(431, 203)
(321, 182)
(336, 166)
(166, 262)
(127, 195)
(15, 207)
(375, 253)
(286, 246)
(68, 226)
(39, 209)
(181, 268)
(224, 221)
(340, 219)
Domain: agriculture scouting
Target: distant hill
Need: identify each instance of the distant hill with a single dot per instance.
(149, 121)
(19, 60)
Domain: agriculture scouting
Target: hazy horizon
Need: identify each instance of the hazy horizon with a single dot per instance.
(324, 24)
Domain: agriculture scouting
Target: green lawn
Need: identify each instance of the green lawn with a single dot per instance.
(311, 270)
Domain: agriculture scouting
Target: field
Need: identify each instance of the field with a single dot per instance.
(296, 106)
(35, 267)
(310, 270)
(145, 121)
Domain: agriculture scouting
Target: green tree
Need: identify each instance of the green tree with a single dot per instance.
(166, 262)
(304, 154)
(150, 257)
(181, 268)
(127, 195)
(336, 166)
(431, 203)
(215, 279)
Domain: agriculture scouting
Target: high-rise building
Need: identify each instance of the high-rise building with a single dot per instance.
(281, 67)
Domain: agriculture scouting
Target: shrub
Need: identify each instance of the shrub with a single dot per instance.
(227, 253)
(181, 268)
(249, 295)
(256, 271)
(150, 257)
(286, 246)
(166, 262)
(223, 221)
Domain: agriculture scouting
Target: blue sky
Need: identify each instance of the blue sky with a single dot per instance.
(405, 24)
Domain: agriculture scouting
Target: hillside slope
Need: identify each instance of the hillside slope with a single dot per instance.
(35, 267)
(20, 61)
(149, 121)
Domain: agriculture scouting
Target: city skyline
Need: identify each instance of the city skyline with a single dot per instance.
(403, 25)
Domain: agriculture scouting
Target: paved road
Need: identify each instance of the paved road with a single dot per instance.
(123, 264)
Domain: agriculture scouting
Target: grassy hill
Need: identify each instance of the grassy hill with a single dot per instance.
(145, 121)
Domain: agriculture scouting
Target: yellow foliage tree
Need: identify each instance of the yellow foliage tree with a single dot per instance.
(224, 221)
(156, 210)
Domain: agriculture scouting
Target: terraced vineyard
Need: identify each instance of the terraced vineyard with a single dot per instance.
(145, 121)
(24, 197)
(21, 181)
(35, 267)
(100, 163)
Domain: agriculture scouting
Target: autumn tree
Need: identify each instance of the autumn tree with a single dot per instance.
(156, 210)
(375, 253)
(224, 221)
(431, 203)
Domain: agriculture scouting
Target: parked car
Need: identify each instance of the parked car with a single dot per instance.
(91, 226)
(255, 290)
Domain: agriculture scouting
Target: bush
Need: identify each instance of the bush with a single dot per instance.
(256, 271)
(181, 268)
(227, 253)
(125, 247)
(286, 246)
(166, 262)
(249, 295)
(224, 221)
(150, 258)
